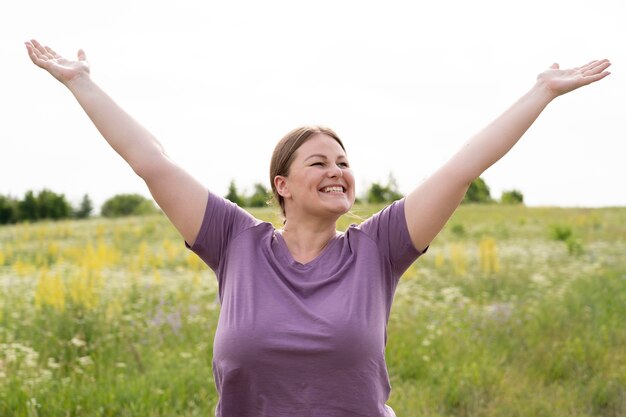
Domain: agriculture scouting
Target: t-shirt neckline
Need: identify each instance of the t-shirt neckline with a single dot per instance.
(285, 254)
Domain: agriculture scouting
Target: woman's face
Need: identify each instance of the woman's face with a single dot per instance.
(320, 180)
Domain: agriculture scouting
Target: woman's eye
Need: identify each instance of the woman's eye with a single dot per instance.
(321, 164)
(343, 165)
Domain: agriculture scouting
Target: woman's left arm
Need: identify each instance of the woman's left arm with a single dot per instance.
(431, 204)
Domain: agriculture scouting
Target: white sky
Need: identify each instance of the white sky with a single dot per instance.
(404, 83)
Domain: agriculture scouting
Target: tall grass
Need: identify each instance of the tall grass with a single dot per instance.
(499, 318)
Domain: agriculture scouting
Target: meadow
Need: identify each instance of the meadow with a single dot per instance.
(514, 311)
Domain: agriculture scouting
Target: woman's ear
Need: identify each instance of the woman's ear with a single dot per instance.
(280, 183)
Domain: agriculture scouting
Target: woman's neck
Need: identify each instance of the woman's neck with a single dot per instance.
(307, 241)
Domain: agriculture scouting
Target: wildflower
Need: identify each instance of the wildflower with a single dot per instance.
(174, 320)
(50, 291)
(488, 255)
(451, 294)
(53, 364)
(196, 280)
(157, 278)
(459, 259)
(76, 341)
(500, 311)
(84, 287)
(439, 260)
(85, 361)
(539, 279)
(194, 262)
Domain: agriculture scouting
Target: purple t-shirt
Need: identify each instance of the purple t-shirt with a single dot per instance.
(302, 339)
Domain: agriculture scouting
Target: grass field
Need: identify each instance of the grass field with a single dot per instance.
(513, 311)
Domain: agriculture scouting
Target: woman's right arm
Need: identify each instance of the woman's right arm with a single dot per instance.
(180, 196)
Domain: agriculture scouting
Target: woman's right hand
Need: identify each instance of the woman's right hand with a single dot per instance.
(62, 69)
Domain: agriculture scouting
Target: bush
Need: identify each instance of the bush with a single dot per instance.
(559, 232)
(458, 230)
(565, 234)
(378, 193)
(478, 192)
(512, 197)
(260, 197)
(127, 205)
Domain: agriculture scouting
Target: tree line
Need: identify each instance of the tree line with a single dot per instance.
(44, 205)
(48, 205)
(478, 192)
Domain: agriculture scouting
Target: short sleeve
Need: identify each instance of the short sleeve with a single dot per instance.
(223, 220)
(388, 228)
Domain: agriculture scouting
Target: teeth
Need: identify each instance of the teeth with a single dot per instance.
(333, 190)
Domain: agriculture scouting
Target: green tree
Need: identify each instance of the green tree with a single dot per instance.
(127, 205)
(51, 205)
(28, 207)
(478, 192)
(233, 194)
(512, 197)
(84, 209)
(9, 212)
(45, 205)
(259, 197)
(378, 193)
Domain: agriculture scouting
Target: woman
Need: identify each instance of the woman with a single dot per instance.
(302, 327)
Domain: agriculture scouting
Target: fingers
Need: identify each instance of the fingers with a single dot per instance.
(596, 77)
(45, 53)
(594, 71)
(582, 68)
(595, 67)
(35, 54)
(39, 49)
(51, 53)
(38, 53)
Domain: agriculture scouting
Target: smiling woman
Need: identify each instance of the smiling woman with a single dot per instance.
(285, 152)
(304, 309)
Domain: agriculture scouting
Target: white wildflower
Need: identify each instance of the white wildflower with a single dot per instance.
(539, 280)
(85, 361)
(77, 342)
(53, 364)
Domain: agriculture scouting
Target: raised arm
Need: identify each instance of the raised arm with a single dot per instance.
(431, 204)
(182, 198)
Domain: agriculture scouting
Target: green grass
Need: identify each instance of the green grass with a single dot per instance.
(543, 335)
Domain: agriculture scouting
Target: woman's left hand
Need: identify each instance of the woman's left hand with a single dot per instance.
(558, 81)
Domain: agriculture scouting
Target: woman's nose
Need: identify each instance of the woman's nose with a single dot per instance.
(335, 171)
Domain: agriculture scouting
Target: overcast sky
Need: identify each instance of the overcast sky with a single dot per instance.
(404, 83)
